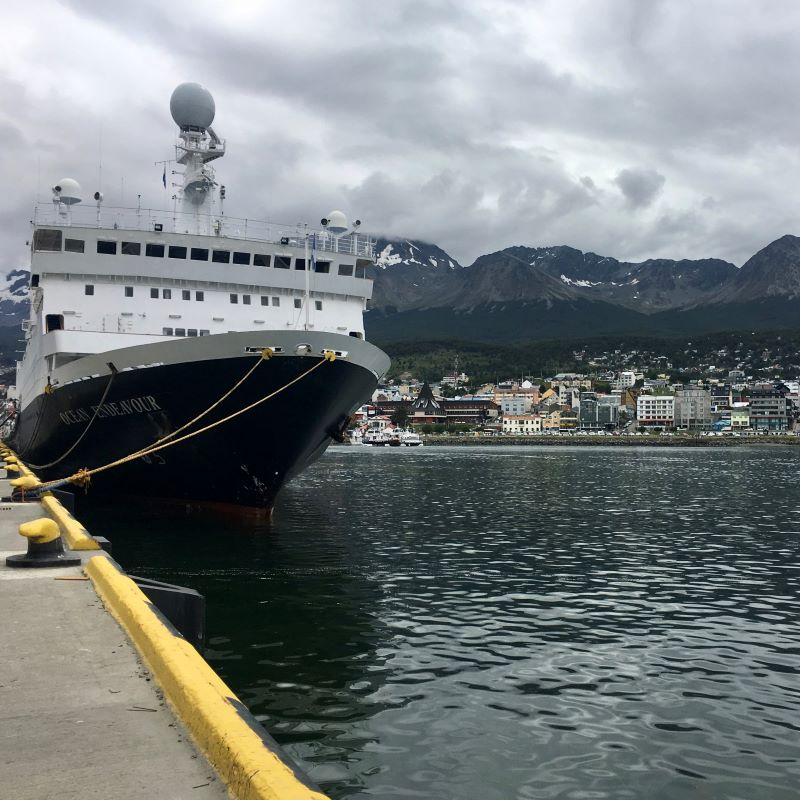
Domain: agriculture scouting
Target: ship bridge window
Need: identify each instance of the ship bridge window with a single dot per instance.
(283, 262)
(88, 289)
(154, 250)
(106, 248)
(34, 279)
(53, 322)
(298, 303)
(221, 256)
(191, 331)
(260, 260)
(154, 293)
(346, 269)
(356, 334)
(241, 258)
(265, 301)
(361, 267)
(180, 331)
(177, 251)
(186, 294)
(323, 267)
(234, 298)
(48, 240)
(299, 263)
(199, 254)
(204, 332)
(199, 296)
(166, 294)
(246, 299)
(129, 291)
(318, 305)
(167, 331)
(276, 301)
(131, 249)
(73, 245)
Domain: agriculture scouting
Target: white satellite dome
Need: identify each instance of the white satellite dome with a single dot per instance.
(67, 191)
(337, 223)
(192, 106)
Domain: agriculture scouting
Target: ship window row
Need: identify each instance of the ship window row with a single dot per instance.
(185, 332)
(166, 294)
(51, 241)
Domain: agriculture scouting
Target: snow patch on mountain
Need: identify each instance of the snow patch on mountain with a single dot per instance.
(14, 286)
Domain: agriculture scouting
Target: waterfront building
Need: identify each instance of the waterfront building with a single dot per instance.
(598, 412)
(522, 424)
(655, 411)
(740, 416)
(692, 408)
(768, 407)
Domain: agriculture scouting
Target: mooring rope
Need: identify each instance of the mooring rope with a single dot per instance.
(83, 476)
(85, 430)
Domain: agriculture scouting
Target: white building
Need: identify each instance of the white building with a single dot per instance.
(656, 410)
(522, 424)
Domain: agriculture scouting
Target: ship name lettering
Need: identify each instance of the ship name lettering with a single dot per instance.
(121, 408)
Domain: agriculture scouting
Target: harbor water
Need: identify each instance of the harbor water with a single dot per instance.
(509, 622)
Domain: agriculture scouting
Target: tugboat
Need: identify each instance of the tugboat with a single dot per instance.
(188, 354)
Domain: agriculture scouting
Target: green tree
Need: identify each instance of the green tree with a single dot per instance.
(400, 415)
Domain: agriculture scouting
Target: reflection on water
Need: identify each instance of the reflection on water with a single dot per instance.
(497, 622)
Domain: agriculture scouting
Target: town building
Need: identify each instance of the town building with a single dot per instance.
(692, 408)
(598, 412)
(768, 407)
(516, 404)
(522, 424)
(655, 410)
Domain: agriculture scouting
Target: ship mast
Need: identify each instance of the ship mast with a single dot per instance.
(193, 109)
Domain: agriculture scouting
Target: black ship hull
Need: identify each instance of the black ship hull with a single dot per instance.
(243, 461)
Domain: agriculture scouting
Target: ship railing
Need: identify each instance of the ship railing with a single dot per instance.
(211, 225)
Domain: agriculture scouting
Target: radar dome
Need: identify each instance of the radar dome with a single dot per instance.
(67, 191)
(192, 106)
(337, 223)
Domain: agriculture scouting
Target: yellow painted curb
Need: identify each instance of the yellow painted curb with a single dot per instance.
(76, 536)
(207, 707)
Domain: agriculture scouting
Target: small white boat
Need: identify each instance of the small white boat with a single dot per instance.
(410, 439)
(376, 438)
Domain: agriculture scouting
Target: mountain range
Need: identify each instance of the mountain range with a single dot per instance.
(524, 293)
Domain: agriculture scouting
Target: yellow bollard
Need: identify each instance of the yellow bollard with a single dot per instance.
(45, 546)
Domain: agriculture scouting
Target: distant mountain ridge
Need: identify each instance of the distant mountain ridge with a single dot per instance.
(523, 293)
(526, 293)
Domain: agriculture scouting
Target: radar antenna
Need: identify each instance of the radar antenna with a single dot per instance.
(193, 109)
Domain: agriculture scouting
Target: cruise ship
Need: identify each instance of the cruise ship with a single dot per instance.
(214, 358)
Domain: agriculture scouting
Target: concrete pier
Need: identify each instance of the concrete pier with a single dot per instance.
(80, 715)
(100, 698)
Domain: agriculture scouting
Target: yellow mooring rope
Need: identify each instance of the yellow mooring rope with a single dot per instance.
(83, 476)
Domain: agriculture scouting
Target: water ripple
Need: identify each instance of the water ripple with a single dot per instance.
(514, 622)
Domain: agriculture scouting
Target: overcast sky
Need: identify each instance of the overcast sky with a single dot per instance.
(631, 128)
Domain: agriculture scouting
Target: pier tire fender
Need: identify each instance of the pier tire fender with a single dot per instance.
(217, 720)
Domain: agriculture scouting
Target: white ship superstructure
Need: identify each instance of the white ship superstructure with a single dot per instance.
(141, 319)
(107, 278)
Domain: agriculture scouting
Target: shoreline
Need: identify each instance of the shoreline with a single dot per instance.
(438, 439)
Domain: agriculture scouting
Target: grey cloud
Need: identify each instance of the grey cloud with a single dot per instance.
(441, 121)
(640, 186)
